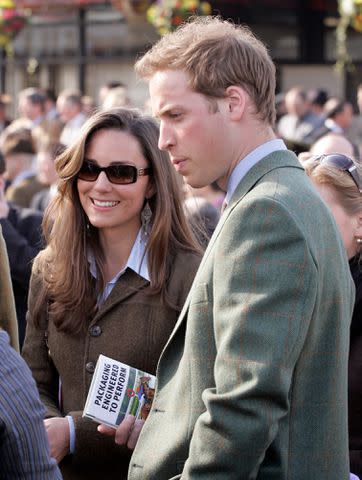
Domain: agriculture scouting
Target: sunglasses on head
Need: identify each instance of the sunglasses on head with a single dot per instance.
(342, 162)
(120, 174)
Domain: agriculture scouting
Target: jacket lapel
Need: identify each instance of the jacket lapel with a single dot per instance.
(278, 159)
(127, 285)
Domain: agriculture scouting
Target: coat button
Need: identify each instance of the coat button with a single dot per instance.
(90, 367)
(95, 331)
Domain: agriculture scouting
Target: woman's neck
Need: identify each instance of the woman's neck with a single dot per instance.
(117, 247)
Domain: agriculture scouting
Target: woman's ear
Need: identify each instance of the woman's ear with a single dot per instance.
(151, 190)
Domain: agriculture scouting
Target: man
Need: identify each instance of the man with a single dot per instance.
(295, 127)
(70, 108)
(24, 449)
(253, 380)
(338, 116)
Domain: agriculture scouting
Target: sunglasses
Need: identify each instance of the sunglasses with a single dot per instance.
(342, 162)
(119, 174)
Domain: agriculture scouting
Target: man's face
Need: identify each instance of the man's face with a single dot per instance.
(193, 130)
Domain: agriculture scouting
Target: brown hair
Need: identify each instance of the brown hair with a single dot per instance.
(216, 54)
(63, 265)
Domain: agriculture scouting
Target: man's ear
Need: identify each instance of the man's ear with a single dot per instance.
(236, 99)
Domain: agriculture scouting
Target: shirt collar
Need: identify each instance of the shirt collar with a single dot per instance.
(249, 161)
(137, 261)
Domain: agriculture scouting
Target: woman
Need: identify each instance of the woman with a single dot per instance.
(340, 185)
(119, 263)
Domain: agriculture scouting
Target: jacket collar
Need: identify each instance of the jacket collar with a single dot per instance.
(126, 286)
(276, 160)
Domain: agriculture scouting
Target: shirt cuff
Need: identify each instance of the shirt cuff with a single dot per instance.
(71, 434)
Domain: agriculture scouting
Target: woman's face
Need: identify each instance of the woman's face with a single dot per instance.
(110, 207)
(349, 225)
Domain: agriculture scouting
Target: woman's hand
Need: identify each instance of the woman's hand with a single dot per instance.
(127, 432)
(57, 429)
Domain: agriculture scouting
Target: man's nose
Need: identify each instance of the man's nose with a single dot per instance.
(165, 140)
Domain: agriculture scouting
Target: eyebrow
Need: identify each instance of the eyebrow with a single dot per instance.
(118, 162)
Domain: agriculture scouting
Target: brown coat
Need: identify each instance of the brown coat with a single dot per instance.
(131, 327)
(8, 319)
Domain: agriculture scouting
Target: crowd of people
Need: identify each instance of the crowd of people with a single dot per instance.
(216, 246)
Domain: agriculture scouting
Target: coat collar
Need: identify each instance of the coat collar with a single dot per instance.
(276, 160)
(127, 285)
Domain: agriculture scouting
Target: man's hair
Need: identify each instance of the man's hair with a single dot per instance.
(72, 96)
(19, 141)
(216, 54)
(34, 95)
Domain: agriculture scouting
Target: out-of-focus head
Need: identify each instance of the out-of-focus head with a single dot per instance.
(69, 104)
(31, 103)
(317, 98)
(296, 102)
(340, 111)
(116, 97)
(332, 143)
(45, 161)
(106, 88)
(339, 182)
(18, 150)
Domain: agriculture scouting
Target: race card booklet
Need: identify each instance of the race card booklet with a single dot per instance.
(118, 390)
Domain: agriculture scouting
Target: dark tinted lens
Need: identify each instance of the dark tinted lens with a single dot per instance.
(338, 160)
(88, 172)
(121, 174)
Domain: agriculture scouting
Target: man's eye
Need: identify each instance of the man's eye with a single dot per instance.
(175, 114)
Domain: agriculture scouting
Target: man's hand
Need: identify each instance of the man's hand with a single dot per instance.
(127, 432)
(57, 429)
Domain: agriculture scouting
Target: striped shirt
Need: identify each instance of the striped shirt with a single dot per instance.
(24, 449)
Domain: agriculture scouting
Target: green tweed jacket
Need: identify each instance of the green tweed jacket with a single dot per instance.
(252, 383)
(8, 320)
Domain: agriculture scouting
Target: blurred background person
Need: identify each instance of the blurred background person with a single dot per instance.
(338, 116)
(18, 150)
(116, 97)
(330, 143)
(21, 229)
(317, 98)
(106, 88)
(339, 182)
(46, 174)
(295, 127)
(70, 108)
(355, 131)
(119, 261)
(4, 119)
(89, 105)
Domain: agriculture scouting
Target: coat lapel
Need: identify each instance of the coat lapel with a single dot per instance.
(127, 285)
(278, 159)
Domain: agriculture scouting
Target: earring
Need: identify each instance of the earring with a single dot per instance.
(359, 241)
(146, 216)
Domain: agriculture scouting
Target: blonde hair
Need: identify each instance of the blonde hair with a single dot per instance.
(216, 54)
(346, 190)
(63, 265)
